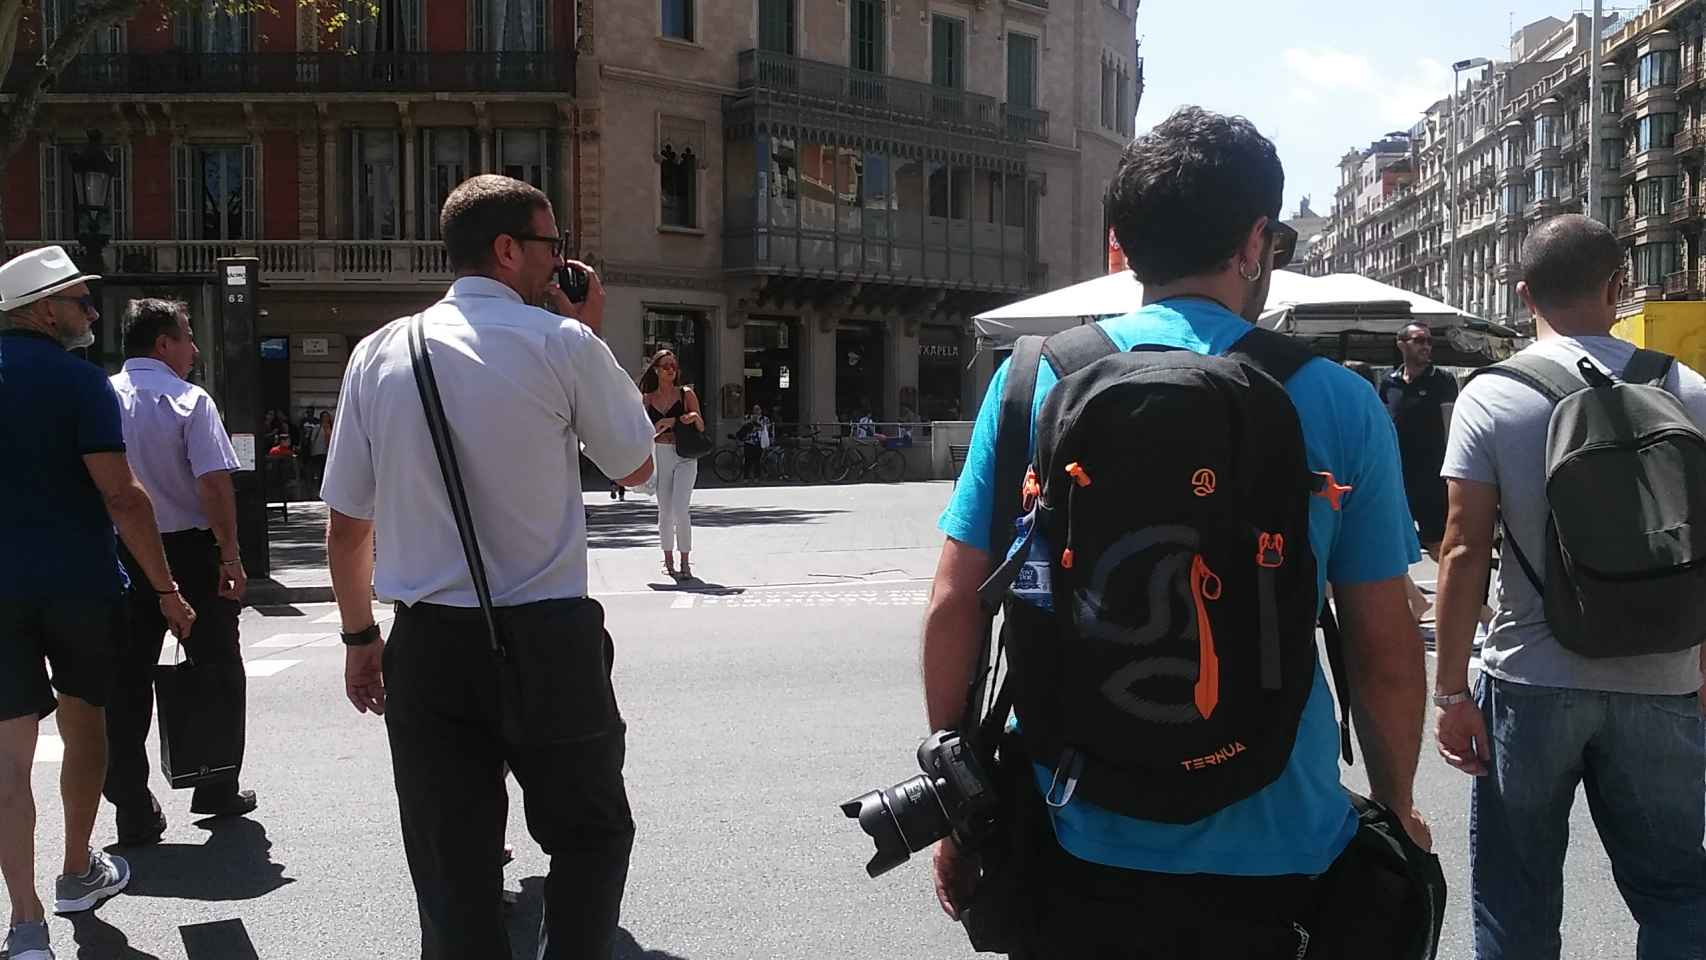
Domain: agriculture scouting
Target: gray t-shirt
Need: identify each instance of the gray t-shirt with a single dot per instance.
(1498, 436)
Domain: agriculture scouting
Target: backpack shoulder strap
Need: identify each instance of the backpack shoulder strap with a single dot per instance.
(1550, 379)
(1013, 442)
(1649, 367)
(1070, 351)
(1275, 354)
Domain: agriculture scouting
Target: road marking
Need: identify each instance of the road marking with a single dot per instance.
(682, 602)
(49, 748)
(267, 668)
(285, 640)
(819, 598)
(380, 614)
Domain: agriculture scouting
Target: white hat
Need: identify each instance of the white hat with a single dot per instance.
(28, 277)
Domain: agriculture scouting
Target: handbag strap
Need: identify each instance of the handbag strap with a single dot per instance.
(443, 445)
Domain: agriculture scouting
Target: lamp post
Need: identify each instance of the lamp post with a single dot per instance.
(92, 173)
(1451, 184)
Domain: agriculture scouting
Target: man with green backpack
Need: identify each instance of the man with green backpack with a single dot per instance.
(1591, 454)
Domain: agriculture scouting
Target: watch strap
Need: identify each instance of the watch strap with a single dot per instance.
(362, 638)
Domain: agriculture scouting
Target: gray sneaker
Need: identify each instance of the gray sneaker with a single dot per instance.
(28, 941)
(107, 876)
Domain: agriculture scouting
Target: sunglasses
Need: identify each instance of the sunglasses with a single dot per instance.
(86, 301)
(1421, 339)
(1284, 243)
(556, 242)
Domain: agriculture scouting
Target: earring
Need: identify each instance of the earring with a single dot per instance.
(1250, 277)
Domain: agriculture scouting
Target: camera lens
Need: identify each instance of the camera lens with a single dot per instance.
(901, 820)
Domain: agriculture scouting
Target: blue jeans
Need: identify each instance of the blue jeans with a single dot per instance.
(1642, 760)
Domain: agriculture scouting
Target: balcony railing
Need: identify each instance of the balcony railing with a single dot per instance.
(1626, 227)
(307, 73)
(1682, 283)
(1687, 78)
(1686, 210)
(857, 93)
(1689, 139)
(282, 261)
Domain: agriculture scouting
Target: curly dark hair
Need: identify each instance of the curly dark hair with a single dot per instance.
(1187, 192)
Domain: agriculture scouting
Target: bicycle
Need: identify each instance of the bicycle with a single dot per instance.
(868, 457)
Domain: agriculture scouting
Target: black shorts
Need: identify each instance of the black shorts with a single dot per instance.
(79, 638)
(1427, 506)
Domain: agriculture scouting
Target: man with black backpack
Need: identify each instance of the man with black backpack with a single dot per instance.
(1590, 452)
(1164, 536)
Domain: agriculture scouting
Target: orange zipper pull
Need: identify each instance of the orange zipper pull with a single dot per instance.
(1205, 586)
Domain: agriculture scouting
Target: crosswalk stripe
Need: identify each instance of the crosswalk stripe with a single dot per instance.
(285, 640)
(267, 668)
(49, 748)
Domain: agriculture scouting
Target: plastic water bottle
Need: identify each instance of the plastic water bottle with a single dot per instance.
(1035, 582)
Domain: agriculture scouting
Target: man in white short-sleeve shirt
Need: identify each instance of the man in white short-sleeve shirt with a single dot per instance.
(523, 389)
(1543, 720)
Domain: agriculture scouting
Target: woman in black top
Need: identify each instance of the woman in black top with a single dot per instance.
(672, 407)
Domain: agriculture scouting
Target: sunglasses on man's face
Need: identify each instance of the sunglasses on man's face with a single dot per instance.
(1284, 243)
(86, 301)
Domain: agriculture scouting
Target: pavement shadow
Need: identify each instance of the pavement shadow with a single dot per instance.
(529, 908)
(299, 542)
(634, 523)
(234, 864)
(100, 940)
(696, 585)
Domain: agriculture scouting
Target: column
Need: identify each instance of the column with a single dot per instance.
(902, 364)
(410, 173)
(817, 393)
(565, 174)
(331, 184)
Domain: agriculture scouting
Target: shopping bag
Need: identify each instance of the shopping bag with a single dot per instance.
(201, 721)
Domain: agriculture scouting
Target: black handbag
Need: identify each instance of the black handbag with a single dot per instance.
(691, 443)
(199, 744)
(555, 657)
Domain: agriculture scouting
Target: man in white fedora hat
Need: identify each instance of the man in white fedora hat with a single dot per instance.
(64, 485)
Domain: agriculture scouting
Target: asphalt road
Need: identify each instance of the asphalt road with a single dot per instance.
(751, 714)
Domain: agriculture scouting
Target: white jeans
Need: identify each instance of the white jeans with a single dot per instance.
(676, 476)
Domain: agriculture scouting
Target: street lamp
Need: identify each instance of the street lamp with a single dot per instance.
(92, 173)
(1451, 184)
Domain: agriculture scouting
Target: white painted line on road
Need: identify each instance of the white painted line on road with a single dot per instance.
(49, 748)
(682, 602)
(287, 640)
(267, 668)
(333, 617)
(733, 589)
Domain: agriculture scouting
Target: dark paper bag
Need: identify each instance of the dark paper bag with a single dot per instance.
(201, 722)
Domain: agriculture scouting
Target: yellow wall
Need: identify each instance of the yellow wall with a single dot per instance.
(1677, 327)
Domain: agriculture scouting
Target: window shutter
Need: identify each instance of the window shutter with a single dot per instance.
(251, 205)
(183, 200)
(480, 41)
(51, 197)
(411, 11)
(357, 224)
(121, 194)
(183, 32)
(50, 14)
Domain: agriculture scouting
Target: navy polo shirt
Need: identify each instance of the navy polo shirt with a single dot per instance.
(56, 540)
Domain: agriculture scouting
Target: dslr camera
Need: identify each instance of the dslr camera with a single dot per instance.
(953, 795)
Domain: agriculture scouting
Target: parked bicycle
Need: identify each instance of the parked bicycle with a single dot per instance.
(863, 458)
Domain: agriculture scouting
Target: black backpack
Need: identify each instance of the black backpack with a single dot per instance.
(1172, 492)
(1625, 550)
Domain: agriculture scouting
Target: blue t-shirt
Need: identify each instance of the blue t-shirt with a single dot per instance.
(1302, 821)
(57, 539)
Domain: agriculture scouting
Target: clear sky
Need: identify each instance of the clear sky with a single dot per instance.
(1324, 77)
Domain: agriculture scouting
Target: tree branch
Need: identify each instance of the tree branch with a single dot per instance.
(79, 29)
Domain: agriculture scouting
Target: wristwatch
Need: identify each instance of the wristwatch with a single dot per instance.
(363, 637)
(1440, 700)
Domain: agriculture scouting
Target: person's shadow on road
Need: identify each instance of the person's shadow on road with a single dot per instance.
(524, 920)
(100, 940)
(234, 864)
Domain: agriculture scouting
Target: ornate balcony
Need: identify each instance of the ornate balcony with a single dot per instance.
(283, 262)
(1682, 285)
(1626, 228)
(104, 74)
(1687, 211)
(855, 95)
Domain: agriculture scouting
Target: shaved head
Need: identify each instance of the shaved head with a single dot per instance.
(1568, 259)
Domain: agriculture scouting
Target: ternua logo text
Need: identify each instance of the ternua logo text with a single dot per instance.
(1216, 758)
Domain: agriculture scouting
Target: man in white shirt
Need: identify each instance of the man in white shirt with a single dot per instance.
(178, 448)
(523, 389)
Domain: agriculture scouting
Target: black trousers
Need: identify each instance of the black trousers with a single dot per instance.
(194, 556)
(456, 714)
